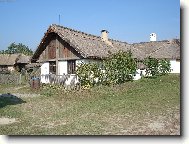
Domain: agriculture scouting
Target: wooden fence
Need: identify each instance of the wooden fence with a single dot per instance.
(69, 81)
(13, 79)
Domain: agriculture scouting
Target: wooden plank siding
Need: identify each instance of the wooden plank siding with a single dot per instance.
(65, 51)
(52, 49)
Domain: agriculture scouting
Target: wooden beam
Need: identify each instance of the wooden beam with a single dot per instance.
(57, 54)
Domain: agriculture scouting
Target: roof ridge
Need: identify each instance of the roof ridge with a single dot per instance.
(81, 32)
(118, 40)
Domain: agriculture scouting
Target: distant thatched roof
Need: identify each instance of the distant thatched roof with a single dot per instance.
(160, 49)
(32, 65)
(91, 46)
(23, 59)
(11, 59)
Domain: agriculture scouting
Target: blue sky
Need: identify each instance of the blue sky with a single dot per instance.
(26, 21)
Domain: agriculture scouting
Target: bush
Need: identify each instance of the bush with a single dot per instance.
(155, 67)
(120, 67)
(88, 74)
(117, 68)
(164, 67)
(152, 65)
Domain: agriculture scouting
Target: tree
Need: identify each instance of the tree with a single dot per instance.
(17, 48)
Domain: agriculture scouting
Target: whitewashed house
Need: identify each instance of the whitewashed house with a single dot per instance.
(62, 49)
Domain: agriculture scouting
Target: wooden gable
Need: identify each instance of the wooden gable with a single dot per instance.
(65, 51)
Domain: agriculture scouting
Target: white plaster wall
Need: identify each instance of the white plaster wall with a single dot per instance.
(62, 67)
(44, 71)
(139, 73)
(175, 66)
(85, 61)
(153, 37)
(11, 68)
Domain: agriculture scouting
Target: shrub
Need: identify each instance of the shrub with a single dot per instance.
(155, 67)
(88, 74)
(120, 67)
(164, 67)
(152, 65)
(117, 68)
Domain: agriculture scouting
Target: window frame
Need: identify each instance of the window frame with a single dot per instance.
(52, 67)
(71, 67)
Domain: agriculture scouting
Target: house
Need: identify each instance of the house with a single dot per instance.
(62, 49)
(11, 62)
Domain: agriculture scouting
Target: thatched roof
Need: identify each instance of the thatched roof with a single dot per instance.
(160, 49)
(32, 65)
(91, 46)
(11, 59)
(23, 59)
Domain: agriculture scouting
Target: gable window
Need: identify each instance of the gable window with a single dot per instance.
(71, 67)
(52, 67)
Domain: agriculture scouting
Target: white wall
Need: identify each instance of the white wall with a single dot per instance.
(85, 61)
(62, 67)
(139, 74)
(11, 68)
(153, 37)
(44, 71)
(175, 66)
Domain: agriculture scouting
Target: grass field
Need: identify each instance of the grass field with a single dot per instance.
(143, 107)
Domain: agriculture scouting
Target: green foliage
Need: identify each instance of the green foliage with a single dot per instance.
(152, 65)
(51, 89)
(88, 73)
(155, 67)
(120, 67)
(117, 68)
(17, 48)
(164, 66)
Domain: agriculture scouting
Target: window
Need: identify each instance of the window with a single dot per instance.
(52, 67)
(71, 67)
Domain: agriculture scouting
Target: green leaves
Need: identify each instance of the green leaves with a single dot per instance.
(164, 67)
(120, 67)
(117, 68)
(17, 48)
(88, 74)
(155, 67)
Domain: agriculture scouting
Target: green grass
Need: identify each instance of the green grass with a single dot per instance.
(125, 109)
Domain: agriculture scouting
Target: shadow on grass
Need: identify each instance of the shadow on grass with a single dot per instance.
(9, 99)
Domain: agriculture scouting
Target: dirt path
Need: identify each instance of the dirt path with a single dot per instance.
(5, 121)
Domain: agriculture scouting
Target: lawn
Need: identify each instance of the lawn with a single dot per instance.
(143, 107)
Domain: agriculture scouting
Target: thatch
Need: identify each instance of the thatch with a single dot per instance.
(161, 49)
(11, 59)
(23, 59)
(32, 65)
(91, 46)
(8, 59)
